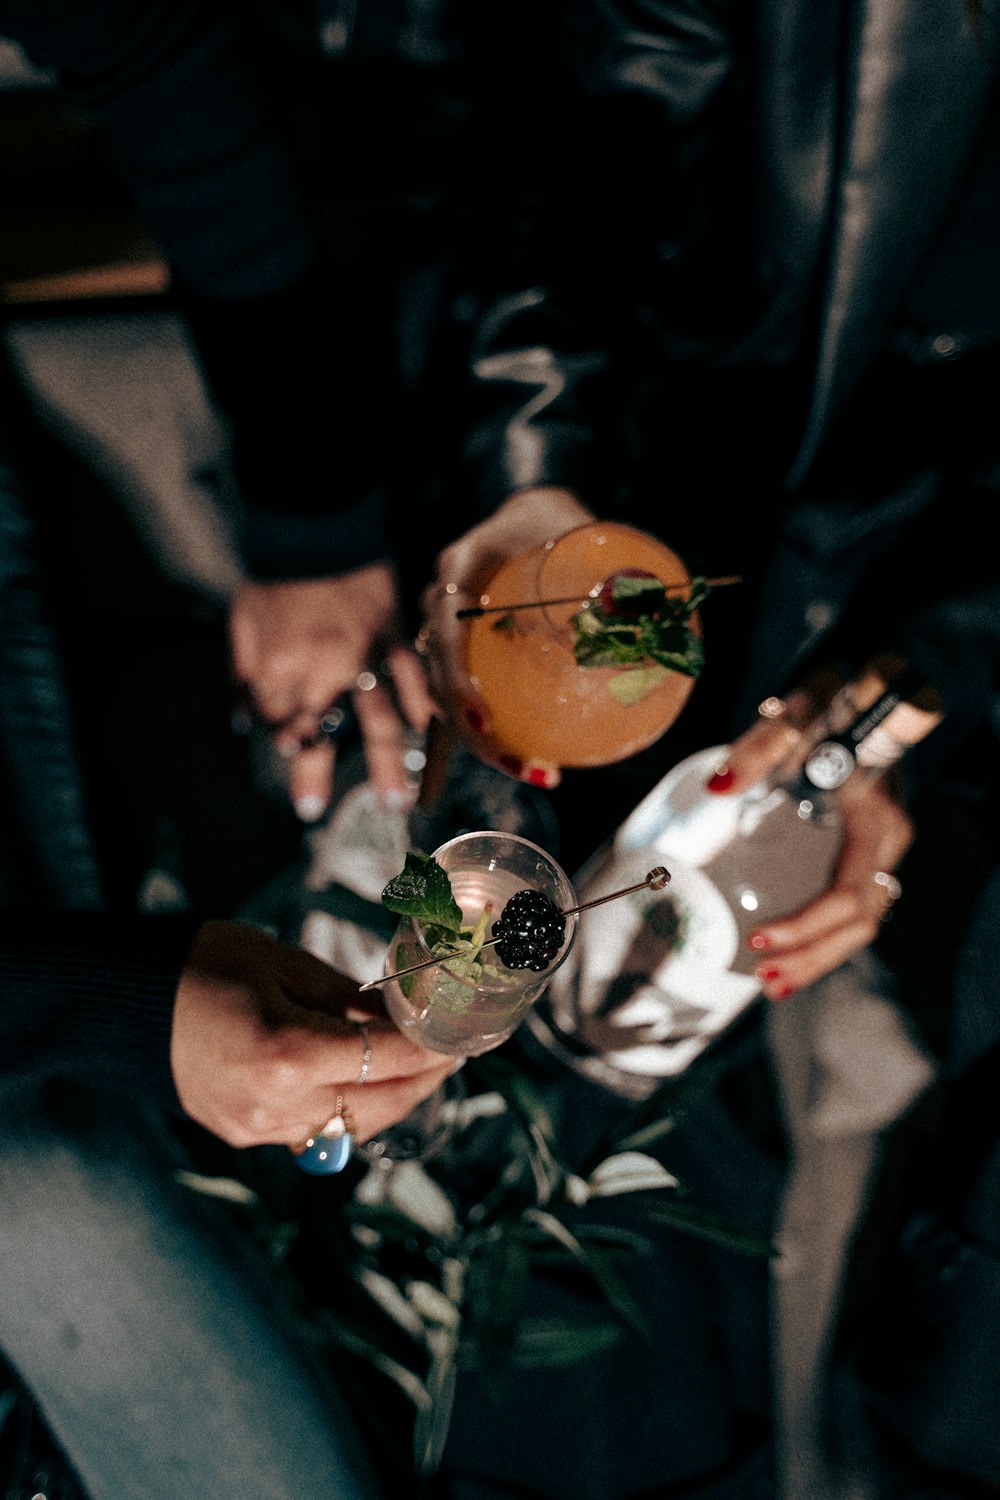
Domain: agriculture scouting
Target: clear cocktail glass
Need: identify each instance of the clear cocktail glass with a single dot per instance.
(467, 1005)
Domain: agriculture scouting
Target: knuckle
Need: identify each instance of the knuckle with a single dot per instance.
(278, 1073)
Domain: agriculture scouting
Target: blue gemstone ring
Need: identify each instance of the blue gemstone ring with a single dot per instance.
(328, 1150)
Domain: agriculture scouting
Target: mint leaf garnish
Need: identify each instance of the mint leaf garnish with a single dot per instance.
(422, 890)
(628, 589)
(636, 624)
(631, 687)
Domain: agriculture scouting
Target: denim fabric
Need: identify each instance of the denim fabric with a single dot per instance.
(145, 1327)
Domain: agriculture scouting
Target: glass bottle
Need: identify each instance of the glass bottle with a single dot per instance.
(657, 977)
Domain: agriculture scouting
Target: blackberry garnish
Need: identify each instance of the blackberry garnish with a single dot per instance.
(529, 931)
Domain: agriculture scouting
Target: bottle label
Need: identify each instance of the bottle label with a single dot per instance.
(829, 765)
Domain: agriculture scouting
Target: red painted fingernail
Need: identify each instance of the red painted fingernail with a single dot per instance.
(758, 940)
(539, 776)
(721, 781)
(475, 720)
(768, 975)
(784, 992)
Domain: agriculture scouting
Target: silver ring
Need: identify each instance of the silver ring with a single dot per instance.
(366, 1061)
(366, 681)
(773, 711)
(891, 891)
(772, 708)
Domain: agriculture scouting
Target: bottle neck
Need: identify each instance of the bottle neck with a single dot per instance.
(876, 739)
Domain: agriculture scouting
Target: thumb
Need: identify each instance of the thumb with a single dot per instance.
(313, 984)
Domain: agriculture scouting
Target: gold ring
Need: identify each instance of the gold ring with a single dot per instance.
(340, 1123)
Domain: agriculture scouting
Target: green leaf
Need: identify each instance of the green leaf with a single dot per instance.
(413, 1192)
(497, 1281)
(629, 1172)
(347, 1336)
(433, 1421)
(653, 628)
(646, 1135)
(432, 1305)
(596, 1262)
(422, 890)
(632, 687)
(626, 587)
(710, 1226)
(229, 1189)
(548, 1343)
(589, 622)
(614, 1237)
(531, 1113)
(608, 651)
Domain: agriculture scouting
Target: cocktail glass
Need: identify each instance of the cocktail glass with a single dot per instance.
(542, 705)
(464, 1007)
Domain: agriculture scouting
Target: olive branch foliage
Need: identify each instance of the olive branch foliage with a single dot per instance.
(433, 1262)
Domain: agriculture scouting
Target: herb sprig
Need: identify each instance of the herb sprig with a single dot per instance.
(422, 891)
(636, 624)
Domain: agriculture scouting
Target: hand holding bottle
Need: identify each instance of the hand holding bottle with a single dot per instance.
(876, 831)
(814, 941)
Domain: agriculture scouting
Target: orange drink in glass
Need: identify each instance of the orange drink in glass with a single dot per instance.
(543, 705)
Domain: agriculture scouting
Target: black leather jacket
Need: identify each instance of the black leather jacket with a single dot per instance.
(727, 332)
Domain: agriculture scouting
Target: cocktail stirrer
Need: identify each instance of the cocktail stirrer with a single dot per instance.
(654, 881)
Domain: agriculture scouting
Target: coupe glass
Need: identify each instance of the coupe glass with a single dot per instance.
(542, 705)
(460, 1010)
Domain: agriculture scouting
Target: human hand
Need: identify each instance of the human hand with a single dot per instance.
(801, 948)
(463, 570)
(300, 645)
(266, 1040)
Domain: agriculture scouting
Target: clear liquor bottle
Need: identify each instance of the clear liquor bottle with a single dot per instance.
(657, 977)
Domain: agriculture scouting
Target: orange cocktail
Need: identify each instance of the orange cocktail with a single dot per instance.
(542, 704)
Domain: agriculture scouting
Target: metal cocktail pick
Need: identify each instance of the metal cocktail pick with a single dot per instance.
(655, 881)
(474, 612)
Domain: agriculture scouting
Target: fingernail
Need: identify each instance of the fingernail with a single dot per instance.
(310, 807)
(768, 976)
(721, 781)
(758, 940)
(394, 800)
(475, 720)
(541, 776)
(784, 992)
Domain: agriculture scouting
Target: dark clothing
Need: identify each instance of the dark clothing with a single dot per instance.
(90, 996)
(732, 335)
(190, 98)
(765, 324)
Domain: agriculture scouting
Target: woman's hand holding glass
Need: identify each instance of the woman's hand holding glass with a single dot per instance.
(266, 1039)
(464, 569)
